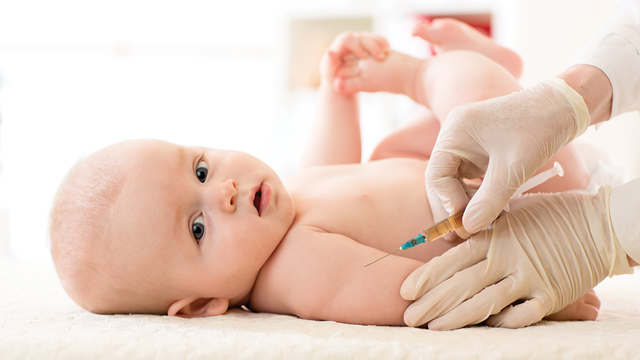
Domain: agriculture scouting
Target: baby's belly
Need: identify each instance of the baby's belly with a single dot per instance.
(381, 204)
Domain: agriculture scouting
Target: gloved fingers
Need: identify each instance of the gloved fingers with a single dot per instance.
(441, 180)
(441, 268)
(439, 213)
(521, 315)
(461, 231)
(489, 301)
(449, 295)
(437, 210)
(489, 201)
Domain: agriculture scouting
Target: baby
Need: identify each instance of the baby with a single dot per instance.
(146, 226)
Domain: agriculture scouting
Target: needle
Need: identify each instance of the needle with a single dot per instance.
(432, 233)
(398, 249)
(454, 221)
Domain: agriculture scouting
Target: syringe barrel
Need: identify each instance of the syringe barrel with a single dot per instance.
(443, 227)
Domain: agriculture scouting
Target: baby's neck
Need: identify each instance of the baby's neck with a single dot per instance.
(240, 300)
(243, 299)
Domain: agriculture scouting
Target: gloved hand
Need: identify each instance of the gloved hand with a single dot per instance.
(549, 250)
(507, 139)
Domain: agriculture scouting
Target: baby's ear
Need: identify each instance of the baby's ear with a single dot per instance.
(198, 307)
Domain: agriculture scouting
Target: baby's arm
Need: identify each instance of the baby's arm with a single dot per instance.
(335, 135)
(321, 276)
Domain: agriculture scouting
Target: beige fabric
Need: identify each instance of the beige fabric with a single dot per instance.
(37, 320)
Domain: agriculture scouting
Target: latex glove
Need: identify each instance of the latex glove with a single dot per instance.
(507, 139)
(549, 250)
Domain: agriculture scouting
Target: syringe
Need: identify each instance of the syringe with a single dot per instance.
(454, 221)
(432, 233)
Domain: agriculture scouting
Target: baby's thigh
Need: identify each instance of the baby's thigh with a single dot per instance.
(576, 174)
(414, 140)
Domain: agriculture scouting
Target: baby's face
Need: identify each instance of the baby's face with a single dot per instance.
(206, 220)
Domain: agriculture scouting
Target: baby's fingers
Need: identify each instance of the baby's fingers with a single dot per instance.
(373, 46)
(347, 43)
(521, 315)
(382, 41)
(348, 85)
(348, 71)
(331, 61)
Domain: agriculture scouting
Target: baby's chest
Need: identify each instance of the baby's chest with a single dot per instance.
(371, 207)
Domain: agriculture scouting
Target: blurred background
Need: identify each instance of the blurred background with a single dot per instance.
(76, 76)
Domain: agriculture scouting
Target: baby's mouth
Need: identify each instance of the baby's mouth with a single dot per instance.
(256, 199)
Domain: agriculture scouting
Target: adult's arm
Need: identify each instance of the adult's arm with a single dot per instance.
(606, 74)
(614, 51)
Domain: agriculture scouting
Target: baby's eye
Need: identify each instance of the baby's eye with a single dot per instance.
(197, 228)
(201, 171)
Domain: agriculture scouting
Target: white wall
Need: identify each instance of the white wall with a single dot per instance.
(80, 75)
(547, 33)
(77, 75)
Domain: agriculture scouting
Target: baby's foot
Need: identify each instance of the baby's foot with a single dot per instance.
(585, 308)
(395, 74)
(450, 34)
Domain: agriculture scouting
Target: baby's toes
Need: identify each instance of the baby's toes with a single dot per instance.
(423, 30)
(438, 31)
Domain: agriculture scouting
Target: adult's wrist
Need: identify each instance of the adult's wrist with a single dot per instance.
(594, 87)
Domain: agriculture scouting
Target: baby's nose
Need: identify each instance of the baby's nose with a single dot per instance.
(229, 191)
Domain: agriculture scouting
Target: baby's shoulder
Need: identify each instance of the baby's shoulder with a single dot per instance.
(316, 274)
(281, 284)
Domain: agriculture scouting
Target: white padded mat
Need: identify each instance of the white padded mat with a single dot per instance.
(38, 320)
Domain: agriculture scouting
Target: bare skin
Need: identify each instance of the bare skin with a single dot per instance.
(451, 34)
(345, 220)
(228, 233)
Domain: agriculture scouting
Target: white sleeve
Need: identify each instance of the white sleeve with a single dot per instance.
(615, 49)
(624, 209)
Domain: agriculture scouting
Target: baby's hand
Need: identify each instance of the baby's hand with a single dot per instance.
(340, 60)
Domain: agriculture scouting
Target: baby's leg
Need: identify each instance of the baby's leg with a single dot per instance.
(440, 83)
(417, 137)
(413, 140)
(451, 34)
(455, 78)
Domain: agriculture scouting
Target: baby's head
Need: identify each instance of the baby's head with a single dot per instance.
(147, 226)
